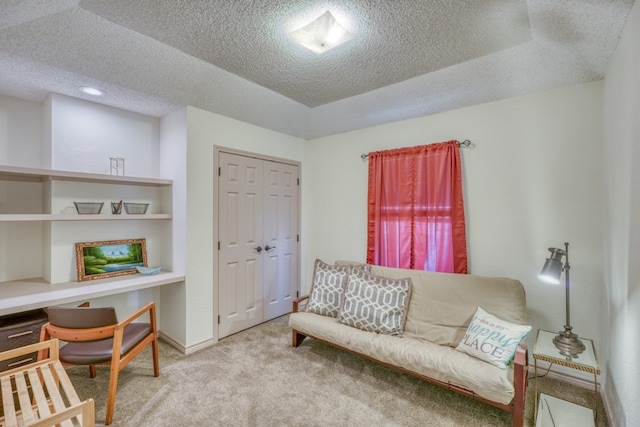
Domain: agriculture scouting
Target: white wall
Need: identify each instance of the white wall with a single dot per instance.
(85, 135)
(173, 164)
(20, 132)
(531, 181)
(621, 156)
(206, 130)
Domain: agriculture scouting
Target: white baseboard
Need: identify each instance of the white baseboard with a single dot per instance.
(187, 350)
(607, 408)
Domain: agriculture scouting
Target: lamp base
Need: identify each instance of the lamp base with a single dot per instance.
(568, 343)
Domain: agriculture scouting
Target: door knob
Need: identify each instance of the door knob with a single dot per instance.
(259, 249)
(266, 248)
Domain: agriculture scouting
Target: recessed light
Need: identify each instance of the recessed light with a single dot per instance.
(322, 34)
(92, 91)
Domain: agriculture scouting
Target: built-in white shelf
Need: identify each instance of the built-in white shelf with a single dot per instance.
(21, 174)
(29, 294)
(88, 217)
(16, 173)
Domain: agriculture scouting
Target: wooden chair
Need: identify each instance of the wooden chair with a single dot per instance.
(95, 337)
(40, 394)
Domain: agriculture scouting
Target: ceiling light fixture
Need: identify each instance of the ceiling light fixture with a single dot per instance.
(93, 91)
(322, 34)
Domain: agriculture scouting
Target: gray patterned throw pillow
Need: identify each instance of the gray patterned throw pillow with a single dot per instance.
(375, 304)
(327, 288)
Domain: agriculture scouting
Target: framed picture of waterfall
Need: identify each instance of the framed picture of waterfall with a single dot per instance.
(99, 260)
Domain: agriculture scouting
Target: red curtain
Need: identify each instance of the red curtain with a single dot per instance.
(415, 209)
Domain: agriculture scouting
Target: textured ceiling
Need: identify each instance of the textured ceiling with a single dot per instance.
(396, 40)
(408, 58)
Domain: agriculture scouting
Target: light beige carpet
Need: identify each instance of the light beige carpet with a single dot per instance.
(255, 378)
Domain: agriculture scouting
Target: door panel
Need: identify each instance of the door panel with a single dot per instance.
(281, 228)
(240, 212)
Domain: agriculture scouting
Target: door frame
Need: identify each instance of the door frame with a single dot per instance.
(217, 149)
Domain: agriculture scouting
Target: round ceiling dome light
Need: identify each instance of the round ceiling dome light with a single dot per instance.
(93, 91)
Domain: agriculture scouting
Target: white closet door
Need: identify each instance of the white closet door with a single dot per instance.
(281, 234)
(258, 230)
(240, 215)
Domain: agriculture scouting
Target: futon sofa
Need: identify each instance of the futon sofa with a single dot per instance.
(443, 328)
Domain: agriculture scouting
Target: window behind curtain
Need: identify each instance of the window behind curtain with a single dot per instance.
(415, 209)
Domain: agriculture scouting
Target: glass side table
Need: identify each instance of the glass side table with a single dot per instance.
(587, 361)
(560, 413)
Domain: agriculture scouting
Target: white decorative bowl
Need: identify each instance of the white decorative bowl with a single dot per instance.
(148, 270)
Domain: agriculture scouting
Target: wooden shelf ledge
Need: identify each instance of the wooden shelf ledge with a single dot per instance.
(16, 173)
(74, 217)
(29, 294)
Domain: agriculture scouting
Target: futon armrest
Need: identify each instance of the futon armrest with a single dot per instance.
(297, 301)
(521, 356)
(520, 369)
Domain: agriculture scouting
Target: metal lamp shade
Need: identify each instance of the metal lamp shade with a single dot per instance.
(552, 268)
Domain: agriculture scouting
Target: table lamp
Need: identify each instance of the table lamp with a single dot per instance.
(566, 341)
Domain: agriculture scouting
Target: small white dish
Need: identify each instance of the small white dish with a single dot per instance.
(148, 270)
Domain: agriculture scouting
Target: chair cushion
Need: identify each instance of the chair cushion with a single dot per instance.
(89, 353)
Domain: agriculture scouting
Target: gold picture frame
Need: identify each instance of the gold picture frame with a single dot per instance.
(100, 260)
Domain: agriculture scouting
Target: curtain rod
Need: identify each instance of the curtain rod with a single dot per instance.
(461, 144)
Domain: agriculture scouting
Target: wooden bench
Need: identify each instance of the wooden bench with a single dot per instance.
(40, 394)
